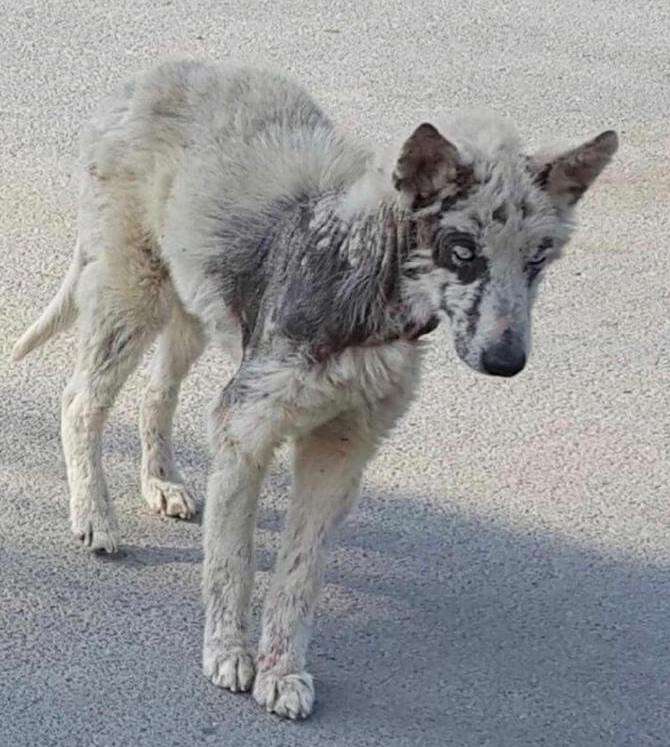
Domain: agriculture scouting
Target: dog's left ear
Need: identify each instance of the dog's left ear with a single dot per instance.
(566, 177)
(428, 164)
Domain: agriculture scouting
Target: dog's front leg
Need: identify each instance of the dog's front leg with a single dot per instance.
(243, 448)
(328, 466)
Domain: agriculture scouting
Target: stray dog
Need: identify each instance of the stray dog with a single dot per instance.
(222, 205)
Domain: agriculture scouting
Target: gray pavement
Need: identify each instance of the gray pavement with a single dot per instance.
(506, 579)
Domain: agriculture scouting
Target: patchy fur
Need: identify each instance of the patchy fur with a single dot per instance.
(222, 205)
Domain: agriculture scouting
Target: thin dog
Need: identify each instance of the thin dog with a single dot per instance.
(221, 205)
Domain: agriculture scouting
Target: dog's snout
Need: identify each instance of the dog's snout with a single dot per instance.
(504, 359)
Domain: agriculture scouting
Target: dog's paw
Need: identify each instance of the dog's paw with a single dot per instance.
(233, 670)
(169, 498)
(288, 695)
(98, 533)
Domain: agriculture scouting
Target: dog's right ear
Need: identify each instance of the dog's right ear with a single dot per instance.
(427, 165)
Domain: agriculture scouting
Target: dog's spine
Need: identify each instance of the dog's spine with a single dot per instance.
(58, 315)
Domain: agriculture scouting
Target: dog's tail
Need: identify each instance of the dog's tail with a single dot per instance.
(58, 315)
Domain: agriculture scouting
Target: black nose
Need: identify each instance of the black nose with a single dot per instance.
(503, 359)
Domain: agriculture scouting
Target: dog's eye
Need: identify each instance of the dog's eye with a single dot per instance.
(536, 262)
(454, 249)
(463, 253)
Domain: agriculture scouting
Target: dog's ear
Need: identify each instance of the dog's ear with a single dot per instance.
(566, 177)
(428, 163)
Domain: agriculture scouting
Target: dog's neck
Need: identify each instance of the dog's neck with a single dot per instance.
(384, 295)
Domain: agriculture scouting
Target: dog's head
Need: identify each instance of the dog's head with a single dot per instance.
(489, 221)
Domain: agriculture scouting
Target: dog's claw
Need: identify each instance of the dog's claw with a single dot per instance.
(98, 539)
(172, 499)
(289, 695)
(234, 671)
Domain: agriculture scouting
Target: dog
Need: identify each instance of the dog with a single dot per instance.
(221, 205)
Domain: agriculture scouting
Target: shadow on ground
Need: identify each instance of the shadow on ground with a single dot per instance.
(435, 628)
(496, 637)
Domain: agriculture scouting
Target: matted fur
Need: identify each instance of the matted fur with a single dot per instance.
(221, 205)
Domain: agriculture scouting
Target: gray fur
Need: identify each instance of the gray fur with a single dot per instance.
(222, 205)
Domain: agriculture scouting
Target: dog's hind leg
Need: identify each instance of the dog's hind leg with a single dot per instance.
(114, 330)
(179, 346)
(329, 463)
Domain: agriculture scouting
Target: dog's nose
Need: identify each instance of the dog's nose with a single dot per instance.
(503, 359)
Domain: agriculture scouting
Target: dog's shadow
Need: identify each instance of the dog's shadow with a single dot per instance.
(143, 555)
(436, 628)
(447, 626)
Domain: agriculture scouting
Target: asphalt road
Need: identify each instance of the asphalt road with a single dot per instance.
(506, 579)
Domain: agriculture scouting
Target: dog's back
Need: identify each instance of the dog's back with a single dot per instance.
(248, 137)
(189, 164)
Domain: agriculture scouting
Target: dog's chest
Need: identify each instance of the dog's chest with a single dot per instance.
(369, 375)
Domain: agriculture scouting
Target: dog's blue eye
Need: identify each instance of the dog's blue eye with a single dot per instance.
(454, 249)
(463, 253)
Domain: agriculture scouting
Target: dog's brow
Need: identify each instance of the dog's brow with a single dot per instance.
(456, 237)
